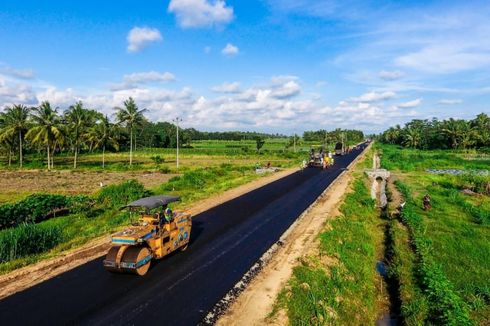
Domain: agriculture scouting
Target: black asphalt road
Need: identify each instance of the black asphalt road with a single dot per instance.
(181, 288)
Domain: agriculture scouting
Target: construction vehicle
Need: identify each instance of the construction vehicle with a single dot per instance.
(153, 236)
(316, 158)
(339, 148)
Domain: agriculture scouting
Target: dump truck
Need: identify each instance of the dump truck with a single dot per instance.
(153, 236)
(339, 148)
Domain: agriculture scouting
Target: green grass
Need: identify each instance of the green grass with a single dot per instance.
(340, 290)
(449, 277)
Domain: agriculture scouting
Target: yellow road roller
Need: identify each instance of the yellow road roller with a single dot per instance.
(157, 233)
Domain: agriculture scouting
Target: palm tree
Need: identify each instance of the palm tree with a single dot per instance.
(130, 116)
(102, 135)
(6, 143)
(453, 130)
(78, 120)
(411, 137)
(46, 129)
(16, 123)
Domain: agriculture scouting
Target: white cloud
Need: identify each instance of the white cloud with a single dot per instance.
(450, 101)
(374, 97)
(443, 59)
(410, 104)
(230, 50)
(17, 73)
(132, 81)
(140, 37)
(150, 76)
(16, 93)
(227, 88)
(201, 13)
(390, 75)
(286, 90)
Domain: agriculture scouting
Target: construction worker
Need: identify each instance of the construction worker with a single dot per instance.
(169, 215)
(426, 202)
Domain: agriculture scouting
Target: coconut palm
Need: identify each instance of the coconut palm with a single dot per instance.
(454, 131)
(78, 120)
(15, 124)
(411, 137)
(6, 143)
(102, 135)
(130, 117)
(46, 129)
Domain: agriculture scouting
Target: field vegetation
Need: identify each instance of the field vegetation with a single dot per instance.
(441, 254)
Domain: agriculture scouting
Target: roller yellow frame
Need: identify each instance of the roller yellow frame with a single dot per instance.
(152, 237)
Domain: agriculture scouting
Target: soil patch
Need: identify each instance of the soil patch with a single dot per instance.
(15, 184)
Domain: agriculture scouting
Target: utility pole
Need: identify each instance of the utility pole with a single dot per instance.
(294, 142)
(177, 120)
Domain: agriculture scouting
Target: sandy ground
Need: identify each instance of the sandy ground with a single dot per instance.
(255, 303)
(28, 276)
(20, 183)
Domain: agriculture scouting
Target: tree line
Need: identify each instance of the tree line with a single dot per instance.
(46, 129)
(441, 134)
(334, 136)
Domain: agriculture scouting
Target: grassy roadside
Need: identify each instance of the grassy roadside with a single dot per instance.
(339, 284)
(106, 217)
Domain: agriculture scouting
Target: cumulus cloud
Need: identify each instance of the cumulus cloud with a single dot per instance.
(374, 97)
(201, 13)
(450, 101)
(16, 93)
(230, 50)
(140, 37)
(410, 104)
(227, 88)
(391, 75)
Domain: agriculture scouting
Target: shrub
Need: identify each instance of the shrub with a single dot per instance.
(32, 209)
(121, 194)
(39, 207)
(165, 170)
(157, 159)
(28, 239)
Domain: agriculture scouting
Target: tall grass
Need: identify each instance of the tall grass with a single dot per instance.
(28, 239)
(118, 195)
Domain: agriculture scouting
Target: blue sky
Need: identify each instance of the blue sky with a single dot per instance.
(268, 65)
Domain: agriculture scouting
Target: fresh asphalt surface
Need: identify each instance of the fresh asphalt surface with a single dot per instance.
(181, 288)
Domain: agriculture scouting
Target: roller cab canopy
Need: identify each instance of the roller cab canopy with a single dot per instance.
(153, 202)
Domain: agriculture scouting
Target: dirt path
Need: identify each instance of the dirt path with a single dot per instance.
(256, 301)
(28, 276)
